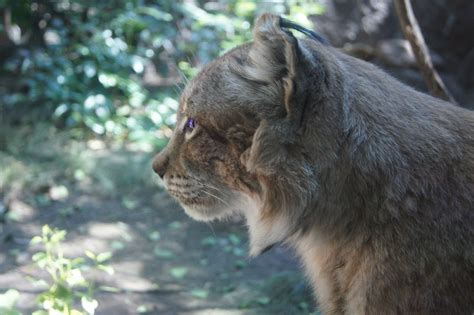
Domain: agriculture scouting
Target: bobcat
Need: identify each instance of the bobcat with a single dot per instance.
(371, 181)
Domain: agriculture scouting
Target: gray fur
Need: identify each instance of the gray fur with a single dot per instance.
(373, 180)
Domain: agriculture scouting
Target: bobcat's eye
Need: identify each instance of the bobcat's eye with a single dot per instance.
(190, 124)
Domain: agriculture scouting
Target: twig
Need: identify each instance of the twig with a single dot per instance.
(413, 34)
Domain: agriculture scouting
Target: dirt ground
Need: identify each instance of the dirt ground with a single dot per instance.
(164, 262)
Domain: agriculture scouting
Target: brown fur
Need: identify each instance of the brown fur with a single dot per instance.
(370, 180)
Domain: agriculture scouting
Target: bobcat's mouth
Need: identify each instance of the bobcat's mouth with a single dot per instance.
(201, 202)
(190, 197)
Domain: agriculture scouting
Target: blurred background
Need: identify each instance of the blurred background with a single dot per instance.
(88, 94)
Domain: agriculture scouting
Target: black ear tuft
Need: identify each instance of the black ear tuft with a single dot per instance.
(284, 23)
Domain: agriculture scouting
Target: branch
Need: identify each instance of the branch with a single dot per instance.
(413, 34)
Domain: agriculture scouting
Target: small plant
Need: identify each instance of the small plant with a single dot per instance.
(8, 302)
(66, 283)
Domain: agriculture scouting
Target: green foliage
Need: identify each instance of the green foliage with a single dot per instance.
(88, 71)
(66, 284)
(8, 302)
(85, 61)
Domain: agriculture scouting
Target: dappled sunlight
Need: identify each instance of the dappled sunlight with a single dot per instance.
(90, 93)
(110, 231)
(21, 211)
(75, 247)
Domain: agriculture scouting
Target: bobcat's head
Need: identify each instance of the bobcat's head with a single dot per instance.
(238, 143)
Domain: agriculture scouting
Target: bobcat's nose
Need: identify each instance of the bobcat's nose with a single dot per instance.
(160, 163)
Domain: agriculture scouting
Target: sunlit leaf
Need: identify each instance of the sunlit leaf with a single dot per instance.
(36, 240)
(234, 239)
(142, 309)
(117, 245)
(129, 203)
(89, 305)
(155, 13)
(162, 253)
(175, 225)
(238, 251)
(38, 256)
(199, 293)
(179, 272)
(90, 254)
(102, 257)
(263, 300)
(154, 236)
(9, 299)
(209, 241)
(108, 269)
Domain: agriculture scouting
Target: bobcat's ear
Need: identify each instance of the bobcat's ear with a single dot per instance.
(273, 58)
(272, 65)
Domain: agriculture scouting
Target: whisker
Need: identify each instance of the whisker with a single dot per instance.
(218, 198)
(211, 187)
(183, 77)
(212, 229)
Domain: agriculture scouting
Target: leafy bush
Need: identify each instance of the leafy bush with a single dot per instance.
(88, 71)
(85, 63)
(8, 302)
(66, 283)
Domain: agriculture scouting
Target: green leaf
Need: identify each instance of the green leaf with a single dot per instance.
(89, 305)
(58, 236)
(39, 256)
(243, 8)
(129, 203)
(238, 251)
(117, 245)
(163, 253)
(58, 192)
(234, 239)
(102, 257)
(155, 13)
(74, 277)
(179, 272)
(90, 254)
(200, 293)
(36, 240)
(143, 308)
(154, 236)
(108, 269)
(9, 299)
(263, 300)
(13, 216)
(209, 241)
(38, 282)
(175, 225)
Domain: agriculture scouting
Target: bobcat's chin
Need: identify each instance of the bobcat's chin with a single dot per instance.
(218, 209)
(206, 213)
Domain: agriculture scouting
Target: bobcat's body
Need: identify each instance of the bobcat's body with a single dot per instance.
(371, 181)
